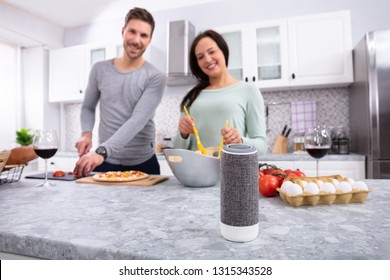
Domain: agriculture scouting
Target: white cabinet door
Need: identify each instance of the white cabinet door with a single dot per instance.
(69, 69)
(235, 37)
(164, 168)
(349, 169)
(65, 164)
(304, 51)
(67, 80)
(258, 52)
(320, 49)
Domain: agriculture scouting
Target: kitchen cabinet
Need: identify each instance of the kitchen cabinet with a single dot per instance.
(350, 169)
(58, 163)
(305, 51)
(67, 163)
(258, 52)
(164, 167)
(67, 80)
(320, 49)
(69, 69)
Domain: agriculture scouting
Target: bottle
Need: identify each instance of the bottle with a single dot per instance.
(335, 142)
(343, 140)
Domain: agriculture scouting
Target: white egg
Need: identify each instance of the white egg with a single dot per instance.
(285, 185)
(351, 181)
(344, 187)
(328, 187)
(294, 189)
(335, 182)
(360, 185)
(319, 182)
(311, 188)
(304, 183)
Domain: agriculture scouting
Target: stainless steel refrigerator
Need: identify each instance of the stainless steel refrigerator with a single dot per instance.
(370, 103)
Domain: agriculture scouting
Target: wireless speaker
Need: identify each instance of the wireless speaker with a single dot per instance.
(239, 193)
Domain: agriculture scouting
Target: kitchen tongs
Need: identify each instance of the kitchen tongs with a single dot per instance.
(200, 146)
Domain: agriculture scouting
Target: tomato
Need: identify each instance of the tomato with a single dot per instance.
(299, 173)
(58, 173)
(267, 168)
(268, 185)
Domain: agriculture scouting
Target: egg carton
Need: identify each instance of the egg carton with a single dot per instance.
(339, 197)
(324, 198)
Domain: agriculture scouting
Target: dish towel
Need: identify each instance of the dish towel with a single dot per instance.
(303, 115)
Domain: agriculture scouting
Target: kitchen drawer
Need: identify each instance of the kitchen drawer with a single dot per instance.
(350, 169)
(58, 163)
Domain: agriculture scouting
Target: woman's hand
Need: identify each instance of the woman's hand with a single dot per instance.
(186, 126)
(231, 135)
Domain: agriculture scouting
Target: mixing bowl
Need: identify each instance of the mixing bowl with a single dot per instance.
(193, 169)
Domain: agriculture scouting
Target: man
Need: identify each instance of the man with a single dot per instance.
(129, 90)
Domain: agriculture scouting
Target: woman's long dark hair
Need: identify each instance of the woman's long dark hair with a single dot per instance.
(201, 77)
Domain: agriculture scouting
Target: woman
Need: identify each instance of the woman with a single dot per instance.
(218, 97)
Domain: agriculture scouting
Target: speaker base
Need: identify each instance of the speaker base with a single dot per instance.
(239, 234)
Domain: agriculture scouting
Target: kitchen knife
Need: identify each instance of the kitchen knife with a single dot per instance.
(288, 132)
(284, 129)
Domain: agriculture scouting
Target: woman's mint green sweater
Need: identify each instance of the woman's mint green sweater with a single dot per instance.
(241, 104)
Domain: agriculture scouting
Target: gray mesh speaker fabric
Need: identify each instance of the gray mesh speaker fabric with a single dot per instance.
(239, 185)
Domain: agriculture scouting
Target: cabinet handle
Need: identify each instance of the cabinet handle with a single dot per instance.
(80, 91)
(254, 79)
(246, 79)
(293, 75)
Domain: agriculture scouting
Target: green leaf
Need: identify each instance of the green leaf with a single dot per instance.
(23, 137)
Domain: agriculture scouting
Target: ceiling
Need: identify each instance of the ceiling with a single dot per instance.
(71, 13)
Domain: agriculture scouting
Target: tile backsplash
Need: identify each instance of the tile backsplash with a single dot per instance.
(332, 110)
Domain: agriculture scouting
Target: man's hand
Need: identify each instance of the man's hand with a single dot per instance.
(84, 144)
(87, 163)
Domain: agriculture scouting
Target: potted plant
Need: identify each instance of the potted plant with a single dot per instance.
(23, 137)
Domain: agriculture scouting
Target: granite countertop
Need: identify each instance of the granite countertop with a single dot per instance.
(170, 221)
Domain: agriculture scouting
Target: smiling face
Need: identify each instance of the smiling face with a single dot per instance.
(210, 58)
(137, 35)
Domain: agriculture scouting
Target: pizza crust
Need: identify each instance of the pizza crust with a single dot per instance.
(120, 176)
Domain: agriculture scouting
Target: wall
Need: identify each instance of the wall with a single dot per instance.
(331, 103)
(37, 112)
(9, 96)
(28, 30)
(365, 16)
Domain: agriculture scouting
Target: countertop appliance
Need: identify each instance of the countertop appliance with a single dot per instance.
(370, 103)
(181, 33)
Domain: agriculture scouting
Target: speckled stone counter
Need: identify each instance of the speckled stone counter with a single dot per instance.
(169, 221)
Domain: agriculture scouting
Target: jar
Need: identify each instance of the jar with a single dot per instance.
(299, 143)
(340, 141)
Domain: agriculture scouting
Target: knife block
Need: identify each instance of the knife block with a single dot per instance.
(280, 146)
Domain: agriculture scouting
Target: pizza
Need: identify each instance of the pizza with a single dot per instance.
(120, 176)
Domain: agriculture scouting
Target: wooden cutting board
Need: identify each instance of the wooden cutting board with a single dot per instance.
(147, 182)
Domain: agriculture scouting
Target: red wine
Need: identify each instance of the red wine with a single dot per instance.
(318, 152)
(46, 153)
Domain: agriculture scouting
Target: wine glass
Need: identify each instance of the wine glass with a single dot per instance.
(45, 146)
(318, 142)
